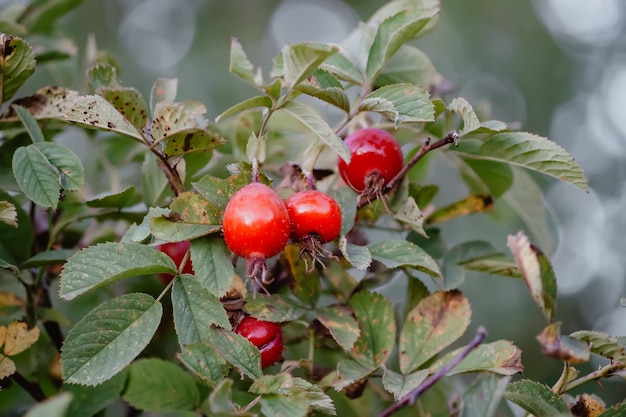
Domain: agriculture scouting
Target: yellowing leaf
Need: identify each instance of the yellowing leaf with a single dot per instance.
(19, 338)
(7, 366)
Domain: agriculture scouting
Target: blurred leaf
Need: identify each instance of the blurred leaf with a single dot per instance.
(359, 257)
(66, 162)
(256, 148)
(96, 112)
(317, 125)
(17, 62)
(203, 362)
(536, 398)
(237, 350)
(400, 385)
(8, 213)
(220, 400)
(501, 357)
(565, 348)
(376, 340)
(124, 198)
(303, 284)
(108, 338)
(472, 204)
(154, 184)
(275, 308)
(391, 8)
(408, 65)
(497, 176)
(284, 406)
(157, 385)
(88, 401)
(416, 292)
(36, 176)
(461, 107)
(251, 103)
(484, 396)
(409, 214)
(452, 265)
(392, 33)
(103, 75)
(292, 388)
(50, 257)
(347, 201)
(399, 253)
(98, 265)
(19, 338)
(532, 152)
(400, 103)
(7, 366)
(323, 85)
(340, 281)
(536, 271)
(341, 325)
(43, 15)
(16, 243)
(432, 245)
(300, 60)
(46, 103)
(350, 372)
(616, 411)
(30, 123)
(437, 321)
(341, 67)
(212, 265)
(55, 406)
(195, 311)
(163, 91)
(496, 264)
(603, 345)
(239, 63)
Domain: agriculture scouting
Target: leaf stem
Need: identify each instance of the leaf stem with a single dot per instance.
(605, 371)
(413, 395)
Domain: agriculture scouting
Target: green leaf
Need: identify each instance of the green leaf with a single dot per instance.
(400, 385)
(44, 18)
(204, 362)
(129, 102)
(103, 75)
(343, 68)
(36, 177)
(347, 201)
(237, 350)
(120, 199)
(193, 141)
(195, 311)
(350, 372)
(483, 397)
(275, 308)
(304, 285)
(318, 126)
(66, 162)
(46, 103)
(154, 184)
(536, 398)
(323, 85)
(602, 344)
(501, 357)
(212, 265)
(239, 63)
(341, 325)
(452, 265)
(532, 152)
(141, 232)
(96, 112)
(391, 8)
(496, 264)
(220, 400)
(392, 33)
(409, 65)
(399, 253)
(249, 104)
(615, 411)
(88, 401)
(30, 123)
(318, 399)
(410, 214)
(175, 231)
(536, 271)
(400, 103)
(157, 385)
(8, 213)
(496, 176)
(98, 265)
(50, 257)
(280, 406)
(461, 107)
(377, 325)
(416, 291)
(56, 406)
(435, 323)
(300, 60)
(17, 62)
(359, 257)
(163, 91)
(108, 338)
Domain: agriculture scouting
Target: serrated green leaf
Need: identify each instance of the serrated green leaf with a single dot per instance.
(400, 103)
(238, 351)
(349, 372)
(120, 199)
(377, 325)
(501, 357)
(212, 265)
(239, 63)
(88, 401)
(435, 323)
(300, 60)
(46, 103)
(17, 62)
(36, 177)
(341, 67)
(318, 126)
(98, 265)
(195, 311)
(615, 411)
(483, 397)
(103, 75)
(140, 232)
(129, 103)
(157, 385)
(30, 123)
(219, 191)
(399, 253)
(392, 33)
(602, 344)
(536, 271)
(272, 384)
(532, 152)
(50, 257)
(452, 267)
(318, 399)
(204, 362)
(536, 398)
(96, 112)
(108, 338)
(55, 406)
(163, 91)
(275, 308)
(8, 213)
(408, 65)
(251, 103)
(410, 214)
(400, 385)
(65, 160)
(280, 406)
(461, 107)
(341, 325)
(175, 231)
(359, 257)
(324, 86)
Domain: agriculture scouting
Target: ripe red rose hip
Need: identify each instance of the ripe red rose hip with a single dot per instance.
(176, 251)
(314, 213)
(265, 335)
(376, 158)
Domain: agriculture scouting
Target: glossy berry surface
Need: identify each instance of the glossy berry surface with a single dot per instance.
(313, 212)
(256, 223)
(176, 251)
(265, 335)
(372, 151)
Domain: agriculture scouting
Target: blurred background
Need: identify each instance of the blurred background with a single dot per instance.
(556, 67)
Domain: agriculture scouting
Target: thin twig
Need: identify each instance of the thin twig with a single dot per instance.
(32, 388)
(412, 396)
(603, 372)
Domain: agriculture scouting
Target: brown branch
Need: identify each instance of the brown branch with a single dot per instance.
(412, 396)
(32, 388)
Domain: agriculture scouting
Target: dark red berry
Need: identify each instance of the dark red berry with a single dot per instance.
(265, 335)
(176, 251)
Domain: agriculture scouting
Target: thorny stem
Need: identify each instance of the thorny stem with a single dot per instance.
(600, 373)
(412, 396)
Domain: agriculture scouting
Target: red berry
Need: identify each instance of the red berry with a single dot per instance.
(176, 251)
(265, 335)
(373, 151)
(256, 223)
(313, 212)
